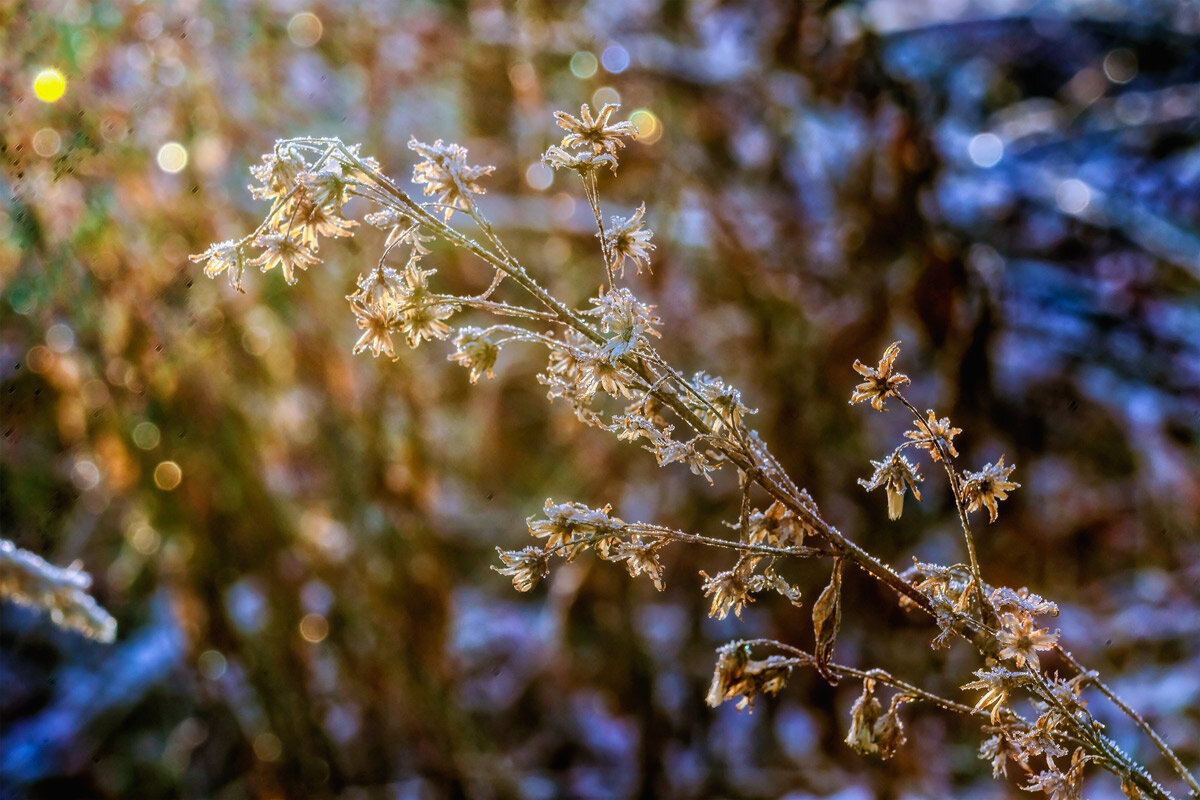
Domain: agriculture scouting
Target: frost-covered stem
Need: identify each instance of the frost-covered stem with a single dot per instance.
(956, 490)
(882, 676)
(1094, 679)
(592, 192)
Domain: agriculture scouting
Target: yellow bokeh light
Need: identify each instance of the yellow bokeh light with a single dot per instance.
(172, 157)
(649, 129)
(167, 475)
(49, 85)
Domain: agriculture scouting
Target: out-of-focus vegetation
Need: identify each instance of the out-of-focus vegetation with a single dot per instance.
(296, 543)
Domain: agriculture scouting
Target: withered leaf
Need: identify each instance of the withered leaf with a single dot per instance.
(827, 619)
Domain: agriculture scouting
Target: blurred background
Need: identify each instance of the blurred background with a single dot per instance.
(296, 543)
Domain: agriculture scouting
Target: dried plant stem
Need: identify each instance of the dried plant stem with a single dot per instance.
(805, 658)
(1094, 679)
(956, 490)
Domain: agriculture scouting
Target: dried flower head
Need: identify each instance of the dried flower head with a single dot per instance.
(880, 381)
(627, 319)
(445, 174)
(378, 323)
(730, 591)
(584, 163)
(627, 238)
(986, 487)
(223, 257)
(723, 406)
(898, 475)
(586, 131)
(738, 674)
(997, 685)
(278, 172)
(934, 435)
(475, 350)
(422, 314)
(283, 251)
(527, 567)
(641, 557)
(1020, 640)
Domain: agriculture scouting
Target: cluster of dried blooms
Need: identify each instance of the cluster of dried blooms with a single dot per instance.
(29, 580)
(602, 362)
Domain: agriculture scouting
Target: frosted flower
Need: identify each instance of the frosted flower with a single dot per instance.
(445, 174)
(315, 221)
(738, 674)
(378, 322)
(982, 489)
(880, 381)
(641, 557)
(628, 239)
(281, 250)
(997, 684)
(475, 351)
(556, 157)
(327, 186)
(586, 131)
(627, 319)
(932, 433)
(382, 287)
(724, 407)
(526, 567)
(897, 474)
(223, 257)
(422, 314)
(1020, 640)
(730, 591)
(278, 172)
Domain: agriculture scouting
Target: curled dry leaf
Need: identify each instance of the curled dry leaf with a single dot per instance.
(827, 619)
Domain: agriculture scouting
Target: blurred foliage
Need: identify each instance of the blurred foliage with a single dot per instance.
(305, 604)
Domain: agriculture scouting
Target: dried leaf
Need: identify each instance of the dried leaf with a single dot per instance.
(827, 619)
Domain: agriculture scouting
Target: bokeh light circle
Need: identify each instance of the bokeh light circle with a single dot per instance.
(49, 86)
(172, 157)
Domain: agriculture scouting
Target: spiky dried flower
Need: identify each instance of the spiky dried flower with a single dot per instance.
(898, 475)
(934, 435)
(475, 350)
(730, 591)
(778, 526)
(445, 174)
(594, 132)
(628, 320)
(627, 239)
(314, 221)
(565, 524)
(880, 382)
(584, 163)
(526, 567)
(378, 323)
(641, 557)
(997, 684)
(278, 172)
(984, 488)
(283, 251)
(1020, 640)
(227, 256)
(422, 315)
(723, 406)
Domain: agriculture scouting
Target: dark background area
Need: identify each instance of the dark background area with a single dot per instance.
(1011, 188)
